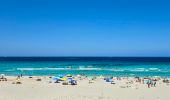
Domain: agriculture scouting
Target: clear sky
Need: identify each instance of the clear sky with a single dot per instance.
(84, 28)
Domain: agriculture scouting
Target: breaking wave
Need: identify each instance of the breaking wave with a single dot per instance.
(42, 69)
(97, 69)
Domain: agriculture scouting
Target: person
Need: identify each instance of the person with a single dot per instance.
(143, 81)
(148, 83)
(151, 82)
(154, 82)
(140, 80)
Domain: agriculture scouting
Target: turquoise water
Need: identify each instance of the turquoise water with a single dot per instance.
(93, 67)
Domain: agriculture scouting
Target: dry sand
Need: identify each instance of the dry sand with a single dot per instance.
(30, 89)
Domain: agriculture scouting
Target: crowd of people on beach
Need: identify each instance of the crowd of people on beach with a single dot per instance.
(73, 80)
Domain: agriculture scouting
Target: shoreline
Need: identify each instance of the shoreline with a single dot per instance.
(87, 76)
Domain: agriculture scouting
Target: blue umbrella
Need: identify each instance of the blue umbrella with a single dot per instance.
(70, 79)
(108, 80)
(56, 78)
(61, 76)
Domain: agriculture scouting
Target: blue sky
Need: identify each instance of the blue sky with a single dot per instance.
(84, 28)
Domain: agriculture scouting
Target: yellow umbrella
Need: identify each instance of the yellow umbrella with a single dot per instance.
(63, 79)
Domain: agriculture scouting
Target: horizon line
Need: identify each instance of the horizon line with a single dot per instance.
(92, 56)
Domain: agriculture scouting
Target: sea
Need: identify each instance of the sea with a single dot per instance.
(106, 66)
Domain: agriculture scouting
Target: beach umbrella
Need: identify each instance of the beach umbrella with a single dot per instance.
(69, 75)
(63, 79)
(108, 80)
(156, 77)
(70, 79)
(61, 76)
(56, 78)
(2, 75)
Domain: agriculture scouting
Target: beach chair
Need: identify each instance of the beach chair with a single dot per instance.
(90, 81)
(73, 82)
(122, 86)
(17, 82)
(38, 79)
(113, 82)
(50, 77)
(65, 83)
(2, 77)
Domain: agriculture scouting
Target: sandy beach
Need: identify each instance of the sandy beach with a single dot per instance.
(84, 49)
(99, 89)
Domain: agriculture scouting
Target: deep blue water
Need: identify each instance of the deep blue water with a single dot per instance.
(115, 66)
